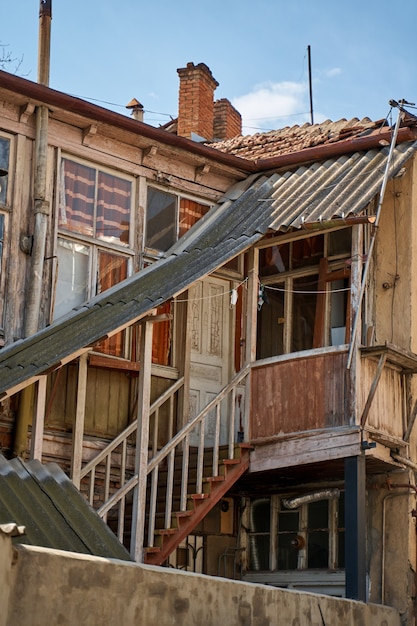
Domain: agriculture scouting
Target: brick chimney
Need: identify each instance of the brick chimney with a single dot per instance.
(227, 120)
(196, 101)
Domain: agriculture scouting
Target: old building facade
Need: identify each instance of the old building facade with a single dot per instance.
(217, 340)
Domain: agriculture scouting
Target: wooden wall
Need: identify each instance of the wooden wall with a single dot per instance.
(299, 394)
(386, 413)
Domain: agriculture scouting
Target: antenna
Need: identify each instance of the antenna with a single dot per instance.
(309, 84)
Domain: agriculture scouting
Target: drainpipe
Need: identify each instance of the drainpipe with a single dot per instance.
(376, 223)
(41, 203)
(41, 215)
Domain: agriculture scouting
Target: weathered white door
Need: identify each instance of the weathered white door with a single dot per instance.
(211, 352)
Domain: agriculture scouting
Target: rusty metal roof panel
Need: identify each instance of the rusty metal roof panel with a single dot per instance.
(55, 515)
(336, 188)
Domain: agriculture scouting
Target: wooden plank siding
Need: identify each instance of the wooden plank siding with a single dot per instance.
(301, 394)
(386, 412)
(107, 401)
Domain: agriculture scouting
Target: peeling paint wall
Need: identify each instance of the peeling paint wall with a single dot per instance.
(52, 587)
(391, 545)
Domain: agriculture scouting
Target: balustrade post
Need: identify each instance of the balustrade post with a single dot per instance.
(251, 322)
(38, 425)
(78, 429)
(142, 442)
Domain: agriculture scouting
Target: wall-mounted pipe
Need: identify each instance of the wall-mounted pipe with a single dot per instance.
(323, 494)
(406, 486)
(41, 210)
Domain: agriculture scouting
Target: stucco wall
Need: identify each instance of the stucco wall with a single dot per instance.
(61, 588)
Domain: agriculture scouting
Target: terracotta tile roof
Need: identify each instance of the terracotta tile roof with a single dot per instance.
(292, 139)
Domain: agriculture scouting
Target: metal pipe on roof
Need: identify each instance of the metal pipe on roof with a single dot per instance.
(372, 242)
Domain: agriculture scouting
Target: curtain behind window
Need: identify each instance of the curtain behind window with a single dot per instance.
(112, 268)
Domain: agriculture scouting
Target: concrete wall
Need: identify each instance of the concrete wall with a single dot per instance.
(67, 589)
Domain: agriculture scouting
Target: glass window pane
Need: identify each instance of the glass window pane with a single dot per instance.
(76, 210)
(288, 520)
(307, 252)
(113, 208)
(287, 552)
(190, 213)
(270, 332)
(161, 219)
(112, 268)
(274, 260)
(341, 549)
(340, 242)
(260, 515)
(304, 313)
(259, 552)
(318, 514)
(4, 166)
(73, 276)
(318, 549)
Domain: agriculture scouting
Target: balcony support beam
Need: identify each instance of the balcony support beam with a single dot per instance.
(355, 527)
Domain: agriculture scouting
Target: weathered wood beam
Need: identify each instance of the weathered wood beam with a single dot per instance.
(372, 391)
(142, 439)
(39, 420)
(78, 429)
(88, 133)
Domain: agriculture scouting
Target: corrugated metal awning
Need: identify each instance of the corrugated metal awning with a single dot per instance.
(335, 189)
(54, 513)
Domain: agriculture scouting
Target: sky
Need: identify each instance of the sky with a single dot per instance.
(363, 54)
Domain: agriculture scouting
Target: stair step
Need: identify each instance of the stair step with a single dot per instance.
(165, 531)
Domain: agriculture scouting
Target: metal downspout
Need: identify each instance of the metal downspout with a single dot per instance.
(41, 214)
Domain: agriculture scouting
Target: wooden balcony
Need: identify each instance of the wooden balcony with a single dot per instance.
(304, 409)
(299, 392)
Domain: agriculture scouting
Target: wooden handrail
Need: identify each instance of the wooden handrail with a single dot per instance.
(160, 456)
(129, 430)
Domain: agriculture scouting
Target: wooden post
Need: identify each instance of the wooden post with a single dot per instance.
(251, 323)
(38, 426)
(142, 442)
(355, 304)
(78, 430)
(183, 353)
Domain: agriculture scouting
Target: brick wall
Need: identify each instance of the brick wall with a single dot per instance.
(196, 101)
(227, 120)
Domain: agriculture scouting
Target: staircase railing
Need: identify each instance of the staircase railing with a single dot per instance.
(187, 450)
(113, 460)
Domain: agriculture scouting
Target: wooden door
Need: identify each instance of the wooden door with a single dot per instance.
(211, 353)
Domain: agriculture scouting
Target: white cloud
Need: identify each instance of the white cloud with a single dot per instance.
(333, 71)
(273, 105)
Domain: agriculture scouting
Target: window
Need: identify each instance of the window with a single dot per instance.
(305, 302)
(2, 277)
(94, 242)
(168, 217)
(4, 168)
(310, 536)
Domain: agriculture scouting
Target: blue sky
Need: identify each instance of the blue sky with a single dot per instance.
(363, 54)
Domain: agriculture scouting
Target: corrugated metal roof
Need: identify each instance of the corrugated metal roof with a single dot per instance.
(55, 515)
(322, 191)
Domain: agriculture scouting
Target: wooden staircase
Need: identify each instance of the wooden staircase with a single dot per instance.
(170, 495)
(198, 506)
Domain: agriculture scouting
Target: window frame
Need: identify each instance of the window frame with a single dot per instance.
(152, 253)
(6, 205)
(334, 528)
(94, 244)
(328, 269)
